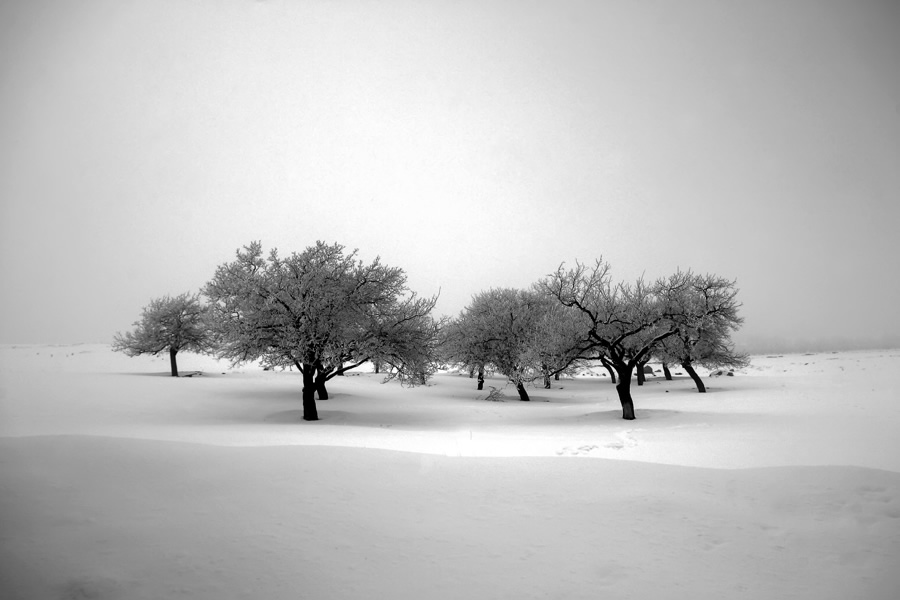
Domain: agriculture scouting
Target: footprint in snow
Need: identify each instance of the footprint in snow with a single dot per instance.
(625, 440)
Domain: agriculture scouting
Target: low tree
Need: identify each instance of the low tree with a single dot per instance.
(624, 322)
(553, 340)
(462, 343)
(167, 324)
(708, 316)
(320, 310)
(404, 338)
(497, 328)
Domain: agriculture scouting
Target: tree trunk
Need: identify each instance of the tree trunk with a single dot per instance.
(690, 370)
(480, 379)
(556, 376)
(624, 390)
(523, 395)
(667, 372)
(612, 372)
(309, 394)
(321, 377)
(321, 390)
(377, 367)
(172, 363)
(641, 371)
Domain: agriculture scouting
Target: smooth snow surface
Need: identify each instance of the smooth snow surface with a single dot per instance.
(117, 481)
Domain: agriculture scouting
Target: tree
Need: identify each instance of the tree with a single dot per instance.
(708, 316)
(172, 324)
(624, 322)
(497, 328)
(462, 343)
(553, 340)
(405, 339)
(320, 310)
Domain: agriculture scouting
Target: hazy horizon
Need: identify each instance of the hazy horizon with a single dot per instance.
(473, 144)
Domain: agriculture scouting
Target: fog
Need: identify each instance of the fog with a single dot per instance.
(473, 144)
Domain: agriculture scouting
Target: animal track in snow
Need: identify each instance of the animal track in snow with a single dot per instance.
(577, 451)
(625, 440)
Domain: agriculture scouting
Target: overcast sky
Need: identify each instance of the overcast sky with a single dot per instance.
(474, 144)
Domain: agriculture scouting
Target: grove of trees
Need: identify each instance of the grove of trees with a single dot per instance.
(626, 323)
(325, 312)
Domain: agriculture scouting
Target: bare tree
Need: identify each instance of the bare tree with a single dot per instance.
(624, 322)
(167, 324)
(708, 316)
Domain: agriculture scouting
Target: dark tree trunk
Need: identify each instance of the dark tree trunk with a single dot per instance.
(690, 371)
(641, 371)
(480, 379)
(624, 390)
(377, 367)
(612, 372)
(321, 390)
(321, 377)
(309, 394)
(172, 362)
(523, 395)
(667, 372)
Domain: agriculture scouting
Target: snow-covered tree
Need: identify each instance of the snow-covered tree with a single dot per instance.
(461, 344)
(708, 316)
(167, 324)
(498, 328)
(623, 322)
(553, 343)
(404, 338)
(320, 310)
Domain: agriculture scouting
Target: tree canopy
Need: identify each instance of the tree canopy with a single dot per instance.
(522, 334)
(321, 310)
(710, 315)
(167, 324)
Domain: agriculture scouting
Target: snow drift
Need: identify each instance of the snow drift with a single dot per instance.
(117, 481)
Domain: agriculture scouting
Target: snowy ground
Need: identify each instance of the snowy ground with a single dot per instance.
(117, 481)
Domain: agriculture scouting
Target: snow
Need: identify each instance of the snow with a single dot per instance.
(118, 481)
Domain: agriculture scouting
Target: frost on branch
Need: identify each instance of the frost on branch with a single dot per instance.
(323, 311)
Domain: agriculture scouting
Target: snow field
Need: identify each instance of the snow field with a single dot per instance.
(117, 481)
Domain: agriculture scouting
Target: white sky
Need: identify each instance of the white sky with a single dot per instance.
(475, 144)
